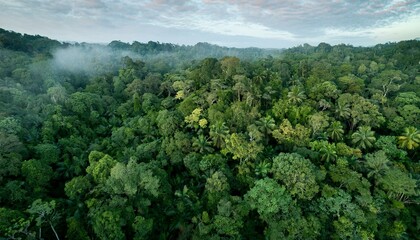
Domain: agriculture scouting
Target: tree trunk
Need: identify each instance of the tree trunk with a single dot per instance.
(52, 227)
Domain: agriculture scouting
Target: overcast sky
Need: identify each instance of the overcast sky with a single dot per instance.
(237, 23)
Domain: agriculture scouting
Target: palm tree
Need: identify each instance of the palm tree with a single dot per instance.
(410, 138)
(240, 88)
(202, 145)
(250, 99)
(262, 169)
(328, 151)
(377, 164)
(266, 95)
(260, 76)
(343, 110)
(363, 137)
(324, 104)
(336, 131)
(266, 125)
(218, 134)
(296, 96)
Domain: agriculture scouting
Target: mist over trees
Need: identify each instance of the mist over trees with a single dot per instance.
(161, 141)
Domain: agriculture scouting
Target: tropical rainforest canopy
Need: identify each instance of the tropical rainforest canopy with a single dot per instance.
(161, 141)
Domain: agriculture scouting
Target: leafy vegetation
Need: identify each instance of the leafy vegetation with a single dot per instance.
(204, 142)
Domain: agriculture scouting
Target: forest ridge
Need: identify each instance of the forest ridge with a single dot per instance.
(161, 141)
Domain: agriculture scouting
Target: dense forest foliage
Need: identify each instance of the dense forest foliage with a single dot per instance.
(159, 141)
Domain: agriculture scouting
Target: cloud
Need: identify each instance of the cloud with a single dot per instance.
(301, 17)
(234, 27)
(407, 28)
(186, 21)
(398, 30)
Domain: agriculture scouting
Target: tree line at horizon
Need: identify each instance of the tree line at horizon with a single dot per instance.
(313, 142)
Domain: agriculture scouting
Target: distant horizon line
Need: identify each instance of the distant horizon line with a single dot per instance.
(213, 44)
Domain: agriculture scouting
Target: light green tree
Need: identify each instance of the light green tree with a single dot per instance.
(216, 187)
(268, 198)
(240, 148)
(318, 123)
(100, 166)
(131, 179)
(297, 174)
(399, 185)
